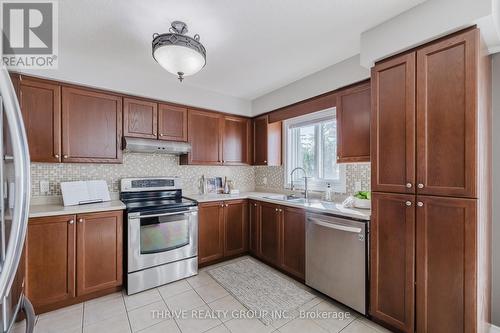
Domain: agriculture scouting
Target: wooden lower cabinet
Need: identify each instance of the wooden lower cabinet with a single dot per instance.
(254, 227)
(434, 240)
(446, 265)
(68, 261)
(270, 232)
(292, 244)
(235, 227)
(392, 239)
(50, 260)
(99, 252)
(210, 232)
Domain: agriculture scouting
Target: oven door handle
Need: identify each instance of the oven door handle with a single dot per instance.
(192, 212)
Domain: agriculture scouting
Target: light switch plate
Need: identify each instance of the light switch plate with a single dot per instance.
(44, 186)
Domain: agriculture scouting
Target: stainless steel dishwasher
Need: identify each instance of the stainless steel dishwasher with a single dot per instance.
(336, 258)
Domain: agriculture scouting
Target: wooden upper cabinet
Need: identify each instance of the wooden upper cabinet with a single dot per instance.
(91, 126)
(293, 235)
(267, 142)
(50, 260)
(40, 103)
(446, 116)
(210, 231)
(353, 123)
(205, 137)
(139, 118)
(392, 260)
(235, 227)
(446, 265)
(393, 125)
(172, 123)
(99, 251)
(236, 140)
(270, 233)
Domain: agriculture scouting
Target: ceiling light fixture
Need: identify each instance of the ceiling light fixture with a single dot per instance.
(178, 53)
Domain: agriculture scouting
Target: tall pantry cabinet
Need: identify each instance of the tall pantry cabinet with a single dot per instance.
(431, 172)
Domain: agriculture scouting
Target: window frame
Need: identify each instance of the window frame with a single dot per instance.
(339, 185)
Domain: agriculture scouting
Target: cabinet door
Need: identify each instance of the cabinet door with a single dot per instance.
(99, 251)
(172, 123)
(210, 232)
(236, 140)
(205, 137)
(353, 123)
(393, 125)
(91, 126)
(293, 241)
(254, 228)
(392, 260)
(270, 232)
(446, 265)
(139, 118)
(260, 141)
(446, 117)
(41, 108)
(235, 227)
(50, 260)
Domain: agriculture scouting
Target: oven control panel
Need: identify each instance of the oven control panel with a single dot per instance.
(150, 184)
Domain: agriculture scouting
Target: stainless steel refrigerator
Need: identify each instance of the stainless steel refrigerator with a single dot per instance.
(14, 206)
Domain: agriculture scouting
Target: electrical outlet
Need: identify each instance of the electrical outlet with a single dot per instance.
(357, 186)
(44, 186)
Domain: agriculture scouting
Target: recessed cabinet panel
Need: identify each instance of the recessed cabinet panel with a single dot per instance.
(446, 117)
(392, 260)
(91, 126)
(41, 108)
(236, 141)
(204, 134)
(139, 118)
(172, 123)
(210, 231)
(393, 125)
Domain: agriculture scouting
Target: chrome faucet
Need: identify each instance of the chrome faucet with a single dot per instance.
(306, 192)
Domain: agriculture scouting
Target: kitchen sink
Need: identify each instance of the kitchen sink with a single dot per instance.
(291, 198)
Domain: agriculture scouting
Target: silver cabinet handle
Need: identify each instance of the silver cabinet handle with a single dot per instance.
(161, 134)
(71, 221)
(335, 226)
(65, 156)
(420, 204)
(265, 161)
(408, 203)
(420, 185)
(276, 209)
(80, 220)
(408, 185)
(56, 155)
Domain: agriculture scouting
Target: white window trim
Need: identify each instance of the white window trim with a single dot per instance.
(338, 186)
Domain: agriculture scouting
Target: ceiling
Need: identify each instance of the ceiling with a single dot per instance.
(253, 46)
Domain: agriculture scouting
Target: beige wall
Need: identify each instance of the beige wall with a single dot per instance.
(495, 297)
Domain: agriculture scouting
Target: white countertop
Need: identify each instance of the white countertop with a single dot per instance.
(335, 208)
(53, 209)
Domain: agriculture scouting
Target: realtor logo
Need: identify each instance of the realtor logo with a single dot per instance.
(29, 34)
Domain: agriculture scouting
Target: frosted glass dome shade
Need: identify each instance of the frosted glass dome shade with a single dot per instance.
(179, 59)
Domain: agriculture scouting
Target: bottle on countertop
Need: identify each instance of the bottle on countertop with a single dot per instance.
(328, 196)
(226, 186)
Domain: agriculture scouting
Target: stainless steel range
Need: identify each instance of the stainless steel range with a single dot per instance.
(162, 232)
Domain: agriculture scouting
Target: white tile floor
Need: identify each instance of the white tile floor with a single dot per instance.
(119, 313)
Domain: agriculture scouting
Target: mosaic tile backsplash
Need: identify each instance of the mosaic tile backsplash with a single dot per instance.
(271, 179)
(136, 165)
(246, 178)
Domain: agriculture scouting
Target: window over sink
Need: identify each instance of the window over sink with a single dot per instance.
(311, 143)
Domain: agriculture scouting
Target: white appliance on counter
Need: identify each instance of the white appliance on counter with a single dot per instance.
(14, 207)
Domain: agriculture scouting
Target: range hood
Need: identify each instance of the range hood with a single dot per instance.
(138, 145)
